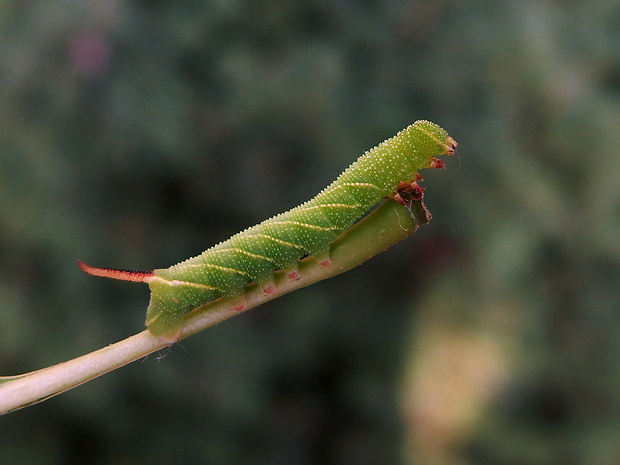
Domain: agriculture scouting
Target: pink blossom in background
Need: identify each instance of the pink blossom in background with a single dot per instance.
(89, 55)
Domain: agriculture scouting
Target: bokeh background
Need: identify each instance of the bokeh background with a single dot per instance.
(138, 133)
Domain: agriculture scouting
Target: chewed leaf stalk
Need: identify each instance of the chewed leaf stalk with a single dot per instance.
(253, 255)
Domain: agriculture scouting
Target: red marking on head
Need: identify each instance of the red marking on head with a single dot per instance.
(239, 308)
(450, 146)
(325, 262)
(294, 275)
(268, 290)
(436, 163)
(113, 273)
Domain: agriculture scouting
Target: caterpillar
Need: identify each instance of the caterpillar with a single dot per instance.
(253, 255)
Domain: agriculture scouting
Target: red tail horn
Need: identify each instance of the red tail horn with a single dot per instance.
(123, 275)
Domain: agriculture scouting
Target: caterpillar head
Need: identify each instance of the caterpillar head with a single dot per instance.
(428, 138)
(450, 146)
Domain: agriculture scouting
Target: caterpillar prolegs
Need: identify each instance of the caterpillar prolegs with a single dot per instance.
(224, 270)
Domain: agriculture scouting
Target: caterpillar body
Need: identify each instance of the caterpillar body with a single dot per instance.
(280, 242)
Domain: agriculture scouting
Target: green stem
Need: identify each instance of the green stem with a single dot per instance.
(385, 226)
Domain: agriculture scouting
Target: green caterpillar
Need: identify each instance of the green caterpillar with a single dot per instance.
(253, 255)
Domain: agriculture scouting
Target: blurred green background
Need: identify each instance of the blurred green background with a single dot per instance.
(135, 134)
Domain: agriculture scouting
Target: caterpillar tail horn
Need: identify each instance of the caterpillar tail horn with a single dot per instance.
(113, 273)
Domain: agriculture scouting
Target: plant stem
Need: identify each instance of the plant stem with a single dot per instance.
(385, 226)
